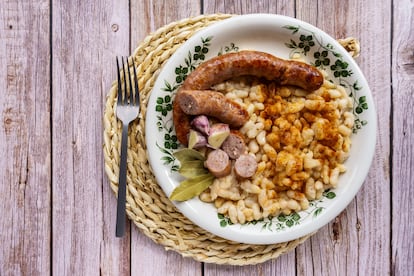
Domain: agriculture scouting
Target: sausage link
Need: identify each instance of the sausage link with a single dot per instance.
(182, 123)
(255, 63)
(227, 66)
(212, 103)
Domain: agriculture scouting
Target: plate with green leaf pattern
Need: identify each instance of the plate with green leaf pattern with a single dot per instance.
(283, 37)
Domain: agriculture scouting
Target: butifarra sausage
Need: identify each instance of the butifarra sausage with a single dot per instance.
(227, 66)
(214, 104)
(254, 63)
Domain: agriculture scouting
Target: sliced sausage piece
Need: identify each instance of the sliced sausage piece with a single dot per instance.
(245, 166)
(234, 145)
(255, 63)
(212, 103)
(218, 163)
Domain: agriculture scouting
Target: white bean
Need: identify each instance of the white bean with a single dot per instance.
(261, 138)
(335, 93)
(344, 130)
(333, 179)
(253, 147)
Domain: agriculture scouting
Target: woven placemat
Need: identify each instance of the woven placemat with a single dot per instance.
(147, 205)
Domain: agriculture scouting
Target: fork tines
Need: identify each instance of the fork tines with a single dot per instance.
(123, 97)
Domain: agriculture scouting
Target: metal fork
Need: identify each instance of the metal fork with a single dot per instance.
(127, 110)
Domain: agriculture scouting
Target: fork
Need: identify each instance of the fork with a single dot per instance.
(127, 110)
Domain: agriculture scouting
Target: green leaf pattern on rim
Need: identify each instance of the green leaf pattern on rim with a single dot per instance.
(326, 57)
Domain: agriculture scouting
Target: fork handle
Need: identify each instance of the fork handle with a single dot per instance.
(120, 211)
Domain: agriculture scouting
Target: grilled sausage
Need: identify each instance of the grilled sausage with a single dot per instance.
(234, 145)
(182, 123)
(218, 163)
(245, 166)
(255, 63)
(212, 103)
(242, 63)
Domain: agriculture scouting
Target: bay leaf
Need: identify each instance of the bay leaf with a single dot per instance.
(187, 154)
(190, 188)
(191, 172)
(192, 164)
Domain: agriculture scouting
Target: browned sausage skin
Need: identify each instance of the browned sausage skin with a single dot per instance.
(214, 104)
(227, 66)
(182, 122)
(255, 63)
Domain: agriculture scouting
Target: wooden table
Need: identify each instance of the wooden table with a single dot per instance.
(57, 62)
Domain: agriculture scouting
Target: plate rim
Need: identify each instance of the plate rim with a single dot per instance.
(254, 238)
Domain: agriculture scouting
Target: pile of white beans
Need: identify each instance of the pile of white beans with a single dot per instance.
(300, 141)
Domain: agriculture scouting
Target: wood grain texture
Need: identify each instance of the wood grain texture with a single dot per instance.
(86, 38)
(115, 257)
(346, 245)
(403, 136)
(148, 258)
(147, 16)
(284, 7)
(25, 138)
(57, 209)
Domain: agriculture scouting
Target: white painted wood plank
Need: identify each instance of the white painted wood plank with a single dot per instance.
(84, 49)
(25, 138)
(283, 7)
(403, 138)
(149, 258)
(284, 265)
(115, 256)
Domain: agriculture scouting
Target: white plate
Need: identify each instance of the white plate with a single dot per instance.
(281, 36)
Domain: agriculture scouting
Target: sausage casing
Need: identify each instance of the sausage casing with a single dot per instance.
(227, 66)
(212, 103)
(255, 63)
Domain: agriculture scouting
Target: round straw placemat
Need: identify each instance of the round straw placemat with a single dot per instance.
(147, 205)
